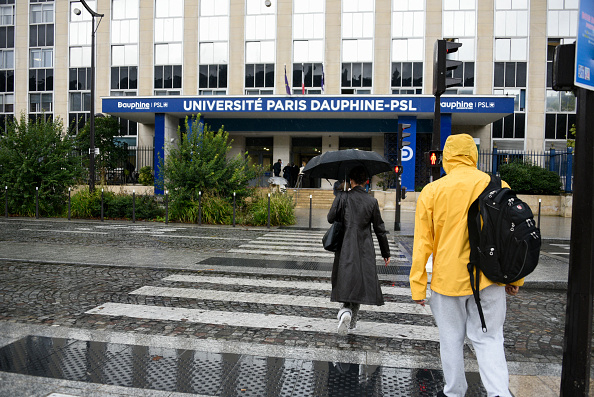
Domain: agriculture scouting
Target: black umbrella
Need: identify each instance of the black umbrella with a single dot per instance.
(338, 164)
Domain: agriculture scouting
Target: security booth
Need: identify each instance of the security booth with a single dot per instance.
(295, 129)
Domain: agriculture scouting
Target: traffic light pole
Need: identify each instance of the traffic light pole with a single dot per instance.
(436, 139)
(575, 372)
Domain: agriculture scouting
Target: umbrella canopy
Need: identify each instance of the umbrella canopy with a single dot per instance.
(277, 180)
(338, 164)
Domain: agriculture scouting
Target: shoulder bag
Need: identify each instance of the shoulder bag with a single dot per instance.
(332, 240)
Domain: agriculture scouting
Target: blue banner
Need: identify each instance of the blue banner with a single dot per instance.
(584, 49)
(320, 104)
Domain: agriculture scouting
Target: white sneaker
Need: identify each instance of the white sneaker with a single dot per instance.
(344, 323)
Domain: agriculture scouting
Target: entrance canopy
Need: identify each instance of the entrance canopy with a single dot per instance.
(464, 110)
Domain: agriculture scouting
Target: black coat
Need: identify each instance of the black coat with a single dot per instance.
(354, 273)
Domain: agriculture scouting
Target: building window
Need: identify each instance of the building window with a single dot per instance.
(213, 47)
(124, 78)
(307, 76)
(407, 77)
(212, 79)
(259, 79)
(356, 78)
(168, 80)
(7, 14)
(79, 98)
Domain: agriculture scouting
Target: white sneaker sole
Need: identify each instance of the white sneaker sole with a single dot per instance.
(344, 323)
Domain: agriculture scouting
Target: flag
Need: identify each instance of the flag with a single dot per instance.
(322, 78)
(302, 79)
(287, 88)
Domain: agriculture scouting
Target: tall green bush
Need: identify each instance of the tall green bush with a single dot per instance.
(198, 162)
(526, 178)
(37, 154)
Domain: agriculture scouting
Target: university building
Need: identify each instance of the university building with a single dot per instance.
(290, 79)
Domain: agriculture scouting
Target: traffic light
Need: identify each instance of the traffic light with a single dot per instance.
(564, 67)
(402, 135)
(442, 65)
(434, 158)
(398, 169)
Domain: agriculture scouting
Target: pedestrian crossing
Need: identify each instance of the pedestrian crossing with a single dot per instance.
(298, 243)
(304, 294)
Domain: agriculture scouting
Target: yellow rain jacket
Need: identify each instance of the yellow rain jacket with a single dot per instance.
(441, 223)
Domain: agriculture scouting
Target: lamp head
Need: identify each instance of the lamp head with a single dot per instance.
(267, 3)
(77, 11)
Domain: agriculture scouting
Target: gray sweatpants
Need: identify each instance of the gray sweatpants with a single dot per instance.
(457, 317)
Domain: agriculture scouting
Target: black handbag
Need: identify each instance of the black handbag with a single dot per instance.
(332, 240)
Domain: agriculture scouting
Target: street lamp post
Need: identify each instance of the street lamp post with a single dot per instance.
(92, 123)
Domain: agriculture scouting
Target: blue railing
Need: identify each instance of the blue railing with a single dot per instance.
(557, 161)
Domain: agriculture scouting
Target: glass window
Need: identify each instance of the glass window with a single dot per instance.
(7, 15)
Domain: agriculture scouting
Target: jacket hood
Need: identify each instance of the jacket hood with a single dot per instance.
(459, 150)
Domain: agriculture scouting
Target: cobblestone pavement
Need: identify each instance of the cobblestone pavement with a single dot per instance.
(60, 294)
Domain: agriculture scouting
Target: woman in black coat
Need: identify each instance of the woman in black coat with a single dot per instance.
(354, 274)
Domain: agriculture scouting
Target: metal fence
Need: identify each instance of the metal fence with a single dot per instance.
(560, 162)
(124, 169)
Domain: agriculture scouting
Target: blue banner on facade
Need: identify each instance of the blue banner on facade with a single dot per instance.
(323, 104)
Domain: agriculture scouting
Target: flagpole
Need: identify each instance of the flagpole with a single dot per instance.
(302, 79)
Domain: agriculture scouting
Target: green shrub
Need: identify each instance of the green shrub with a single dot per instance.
(115, 206)
(530, 179)
(36, 154)
(281, 211)
(145, 176)
(86, 205)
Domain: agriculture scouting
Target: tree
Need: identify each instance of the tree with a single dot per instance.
(112, 154)
(37, 154)
(199, 163)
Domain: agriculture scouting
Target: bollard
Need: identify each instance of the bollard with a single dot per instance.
(69, 203)
(36, 202)
(310, 209)
(6, 201)
(538, 226)
(199, 208)
(233, 209)
(102, 205)
(133, 206)
(166, 208)
(268, 210)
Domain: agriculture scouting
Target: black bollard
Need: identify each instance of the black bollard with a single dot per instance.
(69, 203)
(166, 208)
(269, 210)
(133, 206)
(101, 205)
(233, 209)
(6, 201)
(538, 226)
(199, 208)
(310, 209)
(36, 202)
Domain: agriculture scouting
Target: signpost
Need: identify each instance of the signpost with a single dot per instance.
(575, 373)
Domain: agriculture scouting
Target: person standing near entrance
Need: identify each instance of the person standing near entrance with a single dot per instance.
(354, 272)
(277, 167)
(441, 229)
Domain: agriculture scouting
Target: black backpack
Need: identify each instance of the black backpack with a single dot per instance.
(506, 246)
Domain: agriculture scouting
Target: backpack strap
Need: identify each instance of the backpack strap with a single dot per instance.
(474, 227)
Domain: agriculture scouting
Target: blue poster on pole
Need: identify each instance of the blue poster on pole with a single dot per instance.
(584, 50)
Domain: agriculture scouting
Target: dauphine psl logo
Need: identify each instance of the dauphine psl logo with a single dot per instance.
(458, 105)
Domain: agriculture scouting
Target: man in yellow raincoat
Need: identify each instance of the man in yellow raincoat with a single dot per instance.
(441, 229)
